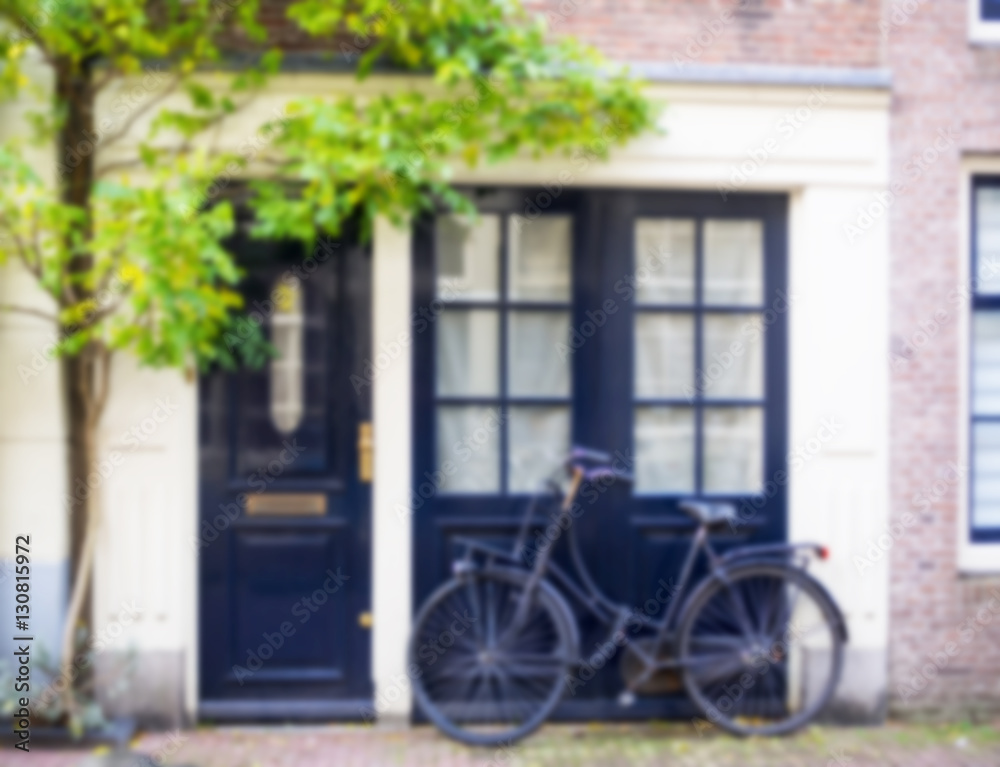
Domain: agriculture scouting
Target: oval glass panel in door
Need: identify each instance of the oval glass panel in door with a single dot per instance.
(286, 368)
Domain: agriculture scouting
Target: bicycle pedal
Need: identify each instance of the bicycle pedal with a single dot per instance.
(626, 699)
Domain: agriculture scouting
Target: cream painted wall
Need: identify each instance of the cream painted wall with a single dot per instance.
(32, 437)
(834, 161)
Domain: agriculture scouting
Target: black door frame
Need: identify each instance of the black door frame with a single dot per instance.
(347, 345)
(602, 226)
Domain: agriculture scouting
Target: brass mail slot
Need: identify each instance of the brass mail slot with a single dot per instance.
(287, 504)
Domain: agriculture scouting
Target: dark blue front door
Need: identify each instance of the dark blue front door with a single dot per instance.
(649, 325)
(284, 535)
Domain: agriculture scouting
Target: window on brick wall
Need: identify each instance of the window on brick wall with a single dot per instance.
(984, 22)
(984, 516)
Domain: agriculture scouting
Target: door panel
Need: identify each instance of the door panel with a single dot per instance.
(649, 325)
(284, 539)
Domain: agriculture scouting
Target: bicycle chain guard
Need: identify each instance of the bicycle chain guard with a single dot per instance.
(663, 682)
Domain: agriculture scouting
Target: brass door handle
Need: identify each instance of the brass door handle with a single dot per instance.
(366, 444)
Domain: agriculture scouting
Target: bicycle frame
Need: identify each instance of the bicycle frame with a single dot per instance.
(586, 592)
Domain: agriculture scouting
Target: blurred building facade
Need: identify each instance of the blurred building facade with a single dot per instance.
(814, 188)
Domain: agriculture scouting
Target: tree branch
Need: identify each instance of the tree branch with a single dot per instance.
(101, 396)
(140, 111)
(28, 310)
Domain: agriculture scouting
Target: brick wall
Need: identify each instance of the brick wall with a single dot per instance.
(942, 87)
(840, 33)
(946, 101)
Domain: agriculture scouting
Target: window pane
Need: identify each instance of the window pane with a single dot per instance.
(539, 442)
(734, 449)
(538, 357)
(664, 450)
(468, 449)
(986, 362)
(468, 257)
(467, 353)
(990, 10)
(286, 369)
(988, 240)
(986, 475)
(540, 258)
(664, 260)
(734, 262)
(732, 362)
(664, 354)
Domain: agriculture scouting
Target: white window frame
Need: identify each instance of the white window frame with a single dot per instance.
(973, 557)
(980, 31)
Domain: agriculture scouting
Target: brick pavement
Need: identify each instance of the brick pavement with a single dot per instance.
(559, 745)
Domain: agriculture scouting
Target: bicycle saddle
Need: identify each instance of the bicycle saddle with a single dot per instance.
(708, 512)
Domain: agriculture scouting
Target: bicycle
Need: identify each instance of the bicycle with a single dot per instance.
(737, 640)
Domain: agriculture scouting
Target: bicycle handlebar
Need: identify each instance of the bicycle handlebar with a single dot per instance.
(603, 471)
(586, 454)
(606, 472)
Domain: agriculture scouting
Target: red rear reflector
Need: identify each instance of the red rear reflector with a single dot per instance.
(824, 552)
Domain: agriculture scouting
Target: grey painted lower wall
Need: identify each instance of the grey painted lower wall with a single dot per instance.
(147, 685)
(47, 610)
(862, 696)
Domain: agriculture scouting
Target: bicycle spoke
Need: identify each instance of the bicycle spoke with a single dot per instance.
(782, 610)
(716, 640)
(499, 677)
(475, 609)
(491, 617)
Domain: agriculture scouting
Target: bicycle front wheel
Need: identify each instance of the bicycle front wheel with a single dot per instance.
(761, 649)
(479, 676)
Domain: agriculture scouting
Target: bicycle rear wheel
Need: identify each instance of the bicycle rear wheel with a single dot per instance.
(761, 650)
(479, 678)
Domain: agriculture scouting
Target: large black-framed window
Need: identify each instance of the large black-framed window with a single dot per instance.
(984, 399)
(699, 404)
(661, 286)
(503, 385)
(651, 323)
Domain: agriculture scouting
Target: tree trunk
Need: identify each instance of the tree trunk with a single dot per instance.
(79, 382)
(85, 374)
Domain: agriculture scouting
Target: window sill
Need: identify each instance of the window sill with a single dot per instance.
(979, 558)
(984, 33)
